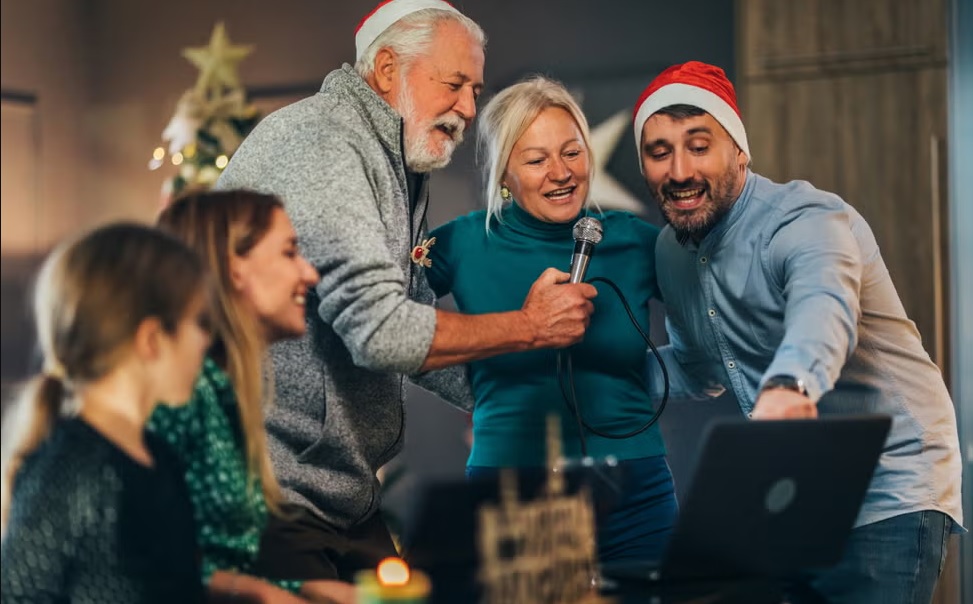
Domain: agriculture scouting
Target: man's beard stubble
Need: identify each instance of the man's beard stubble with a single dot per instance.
(696, 224)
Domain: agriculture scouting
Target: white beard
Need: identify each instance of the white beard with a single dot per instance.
(420, 155)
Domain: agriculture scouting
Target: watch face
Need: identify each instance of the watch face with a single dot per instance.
(785, 381)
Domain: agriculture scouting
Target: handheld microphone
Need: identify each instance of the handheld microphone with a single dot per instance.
(587, 234)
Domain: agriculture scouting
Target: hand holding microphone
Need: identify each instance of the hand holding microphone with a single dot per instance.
(558, 305)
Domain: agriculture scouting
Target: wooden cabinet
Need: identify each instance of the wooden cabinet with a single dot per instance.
(830, 95)
(790, 38)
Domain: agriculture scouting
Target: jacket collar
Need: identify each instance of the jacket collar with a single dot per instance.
(386, 121)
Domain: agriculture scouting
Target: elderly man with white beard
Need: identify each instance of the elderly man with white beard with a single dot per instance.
(351, 164)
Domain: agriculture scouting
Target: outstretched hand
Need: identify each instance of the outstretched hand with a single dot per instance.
(780, 403)
(557, 311)
(328, 592)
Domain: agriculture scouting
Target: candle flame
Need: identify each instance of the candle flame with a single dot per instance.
(393, 571)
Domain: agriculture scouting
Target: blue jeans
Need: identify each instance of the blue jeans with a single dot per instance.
(637, 523)
(895, 561)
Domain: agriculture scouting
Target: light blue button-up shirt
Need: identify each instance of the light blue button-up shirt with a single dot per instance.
(791, 282)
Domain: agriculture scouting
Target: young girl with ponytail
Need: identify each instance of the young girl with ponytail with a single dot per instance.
(94, 508)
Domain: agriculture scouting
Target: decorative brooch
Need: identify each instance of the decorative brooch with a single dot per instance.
(420, 253)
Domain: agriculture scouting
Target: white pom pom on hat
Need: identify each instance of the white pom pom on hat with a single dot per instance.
(385, 14)
(697, 84)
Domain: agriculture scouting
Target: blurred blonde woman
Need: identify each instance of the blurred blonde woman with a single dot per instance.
(95, 508)
(259, 281)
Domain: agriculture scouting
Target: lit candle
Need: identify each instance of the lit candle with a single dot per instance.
(392, 582)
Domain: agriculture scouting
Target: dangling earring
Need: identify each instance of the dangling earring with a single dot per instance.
(505, 193)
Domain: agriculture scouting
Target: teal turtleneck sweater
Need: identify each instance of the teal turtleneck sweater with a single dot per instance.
(515, 392)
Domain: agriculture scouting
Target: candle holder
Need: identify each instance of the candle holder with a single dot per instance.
(392, 583)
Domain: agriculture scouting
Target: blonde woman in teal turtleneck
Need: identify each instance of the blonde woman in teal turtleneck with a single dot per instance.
(537, 179)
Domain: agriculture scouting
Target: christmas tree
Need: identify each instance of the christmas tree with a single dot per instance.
(211, 119)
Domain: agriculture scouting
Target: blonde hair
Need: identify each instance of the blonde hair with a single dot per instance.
(410, 36)
(505, 119)
(90, 297)
(220, 225)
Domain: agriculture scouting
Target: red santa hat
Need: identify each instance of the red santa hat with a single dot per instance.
(697, 84)
(385, 14)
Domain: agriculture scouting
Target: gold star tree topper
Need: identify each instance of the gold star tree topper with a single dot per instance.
(217, 63)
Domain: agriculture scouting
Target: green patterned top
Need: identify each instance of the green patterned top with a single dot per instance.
(206, 435)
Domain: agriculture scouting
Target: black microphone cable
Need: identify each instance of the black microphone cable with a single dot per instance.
(565, 378)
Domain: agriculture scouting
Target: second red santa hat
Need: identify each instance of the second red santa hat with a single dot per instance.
(697, 84)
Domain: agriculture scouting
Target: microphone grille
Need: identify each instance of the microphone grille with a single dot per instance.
(588, 229)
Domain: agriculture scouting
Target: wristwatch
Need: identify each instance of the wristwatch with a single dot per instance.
(785, 382)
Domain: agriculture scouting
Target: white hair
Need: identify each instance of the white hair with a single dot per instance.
(505, 119)
(410, 36)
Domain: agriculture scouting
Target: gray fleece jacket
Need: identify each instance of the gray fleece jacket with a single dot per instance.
(336, 161)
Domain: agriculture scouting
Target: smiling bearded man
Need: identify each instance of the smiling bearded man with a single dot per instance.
(779, 293)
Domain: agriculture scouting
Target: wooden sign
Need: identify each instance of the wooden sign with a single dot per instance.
(539, 551)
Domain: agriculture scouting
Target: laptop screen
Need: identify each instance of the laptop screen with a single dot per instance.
(772, 498)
